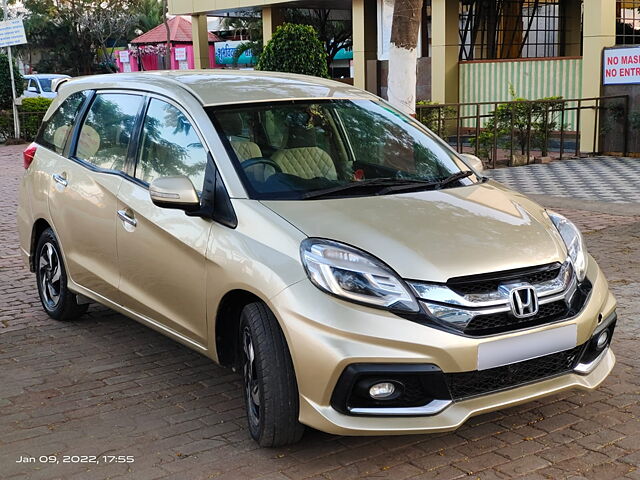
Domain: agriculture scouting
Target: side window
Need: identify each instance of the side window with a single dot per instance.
(53, 133)
(170, 146)
(106, 132)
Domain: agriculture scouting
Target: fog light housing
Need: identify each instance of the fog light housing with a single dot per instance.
(603, 339)
(382, 390)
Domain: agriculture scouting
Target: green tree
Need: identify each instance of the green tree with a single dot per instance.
(6, 97)
(295, 49)
(148, 14)
(74, 35)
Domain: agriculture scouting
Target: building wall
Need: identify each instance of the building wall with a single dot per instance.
(490, 81)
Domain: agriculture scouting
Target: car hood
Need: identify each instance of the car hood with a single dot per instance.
(435, 235)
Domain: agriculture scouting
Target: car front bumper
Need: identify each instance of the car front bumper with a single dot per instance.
(326, 335)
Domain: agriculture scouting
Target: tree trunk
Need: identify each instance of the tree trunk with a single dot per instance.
(403, 55)
(167, 55)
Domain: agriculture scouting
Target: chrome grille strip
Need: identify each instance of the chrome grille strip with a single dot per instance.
(441, 294)
(459, 311)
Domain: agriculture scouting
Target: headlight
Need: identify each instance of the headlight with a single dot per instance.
(573, 241)
(354, 275)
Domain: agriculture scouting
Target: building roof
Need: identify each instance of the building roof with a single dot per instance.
(220, 87)
(179, 29)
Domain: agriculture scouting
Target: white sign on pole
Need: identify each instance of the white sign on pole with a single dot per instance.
(124, 56)
(621, 66)
(12, 33)
(181, 54)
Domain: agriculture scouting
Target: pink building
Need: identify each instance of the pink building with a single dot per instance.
(148, 50)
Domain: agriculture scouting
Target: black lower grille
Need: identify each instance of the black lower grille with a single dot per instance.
(505, 321)
(468, 384)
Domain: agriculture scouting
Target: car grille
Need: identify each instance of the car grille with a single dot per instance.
(485, 308)
(469, 384)
(505, 321)
(479, 284)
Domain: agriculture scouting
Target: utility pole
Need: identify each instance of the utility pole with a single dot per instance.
(16, 120)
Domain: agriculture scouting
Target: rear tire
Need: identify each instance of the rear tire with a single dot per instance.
(270, 387)
(57, 300)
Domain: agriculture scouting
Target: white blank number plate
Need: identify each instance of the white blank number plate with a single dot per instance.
(525, 347)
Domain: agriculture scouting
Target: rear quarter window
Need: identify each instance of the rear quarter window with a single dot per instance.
(106, 132)
(54, 132)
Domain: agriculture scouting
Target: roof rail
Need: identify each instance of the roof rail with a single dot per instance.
(57, 82)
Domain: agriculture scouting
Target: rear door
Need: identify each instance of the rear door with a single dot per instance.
(82, 199)
(161, 251)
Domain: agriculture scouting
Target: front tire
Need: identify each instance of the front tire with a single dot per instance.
(270, 388)
(57, 300)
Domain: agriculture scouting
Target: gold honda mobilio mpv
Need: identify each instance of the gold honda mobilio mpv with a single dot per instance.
(363, 277)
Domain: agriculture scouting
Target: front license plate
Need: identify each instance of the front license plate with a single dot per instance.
(525, 347)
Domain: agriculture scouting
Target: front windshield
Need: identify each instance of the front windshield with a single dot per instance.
(45, 83)
(333, 148)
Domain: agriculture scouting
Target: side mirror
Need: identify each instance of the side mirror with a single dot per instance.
(473, 161)
(174, 192)
(32, 89)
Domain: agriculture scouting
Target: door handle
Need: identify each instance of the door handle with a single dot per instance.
(60, 179)
(126, 218)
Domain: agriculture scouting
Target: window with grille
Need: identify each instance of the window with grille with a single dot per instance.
(506, 29)
(627, 22)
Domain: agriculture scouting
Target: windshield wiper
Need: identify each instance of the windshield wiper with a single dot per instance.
(390, 185)
(417, 184)
(454, 178)
(363, 184)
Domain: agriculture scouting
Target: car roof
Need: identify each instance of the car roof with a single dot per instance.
(224, 87)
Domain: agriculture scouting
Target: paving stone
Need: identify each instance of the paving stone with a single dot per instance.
(107, 385)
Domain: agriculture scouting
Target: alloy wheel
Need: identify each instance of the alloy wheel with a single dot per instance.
(50, 273)
(251, 382)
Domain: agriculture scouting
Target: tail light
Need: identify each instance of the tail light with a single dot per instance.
(28, 155)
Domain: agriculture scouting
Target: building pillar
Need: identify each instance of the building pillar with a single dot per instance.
(200, 36)
(599, 31)
(572, 35)
(272, 17)
(365, 39)
(445, 51)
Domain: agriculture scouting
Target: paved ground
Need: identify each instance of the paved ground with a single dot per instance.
(606, 179)
(108, 386)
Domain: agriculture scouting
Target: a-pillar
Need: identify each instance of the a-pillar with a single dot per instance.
(445, 51)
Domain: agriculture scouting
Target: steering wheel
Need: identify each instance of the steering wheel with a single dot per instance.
(252, 162)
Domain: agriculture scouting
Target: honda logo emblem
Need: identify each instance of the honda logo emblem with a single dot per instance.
(524, 301)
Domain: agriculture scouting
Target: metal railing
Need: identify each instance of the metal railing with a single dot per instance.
(498, 131)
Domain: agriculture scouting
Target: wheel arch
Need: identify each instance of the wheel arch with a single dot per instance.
(39, 226)
(227, 324)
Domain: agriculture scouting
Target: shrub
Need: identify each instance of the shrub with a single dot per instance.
(5, 82)
(6, 125)
(295, 49)
(530, 123)
(32, 111)
(440, 119)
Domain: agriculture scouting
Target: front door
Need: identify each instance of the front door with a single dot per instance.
(161, 251)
